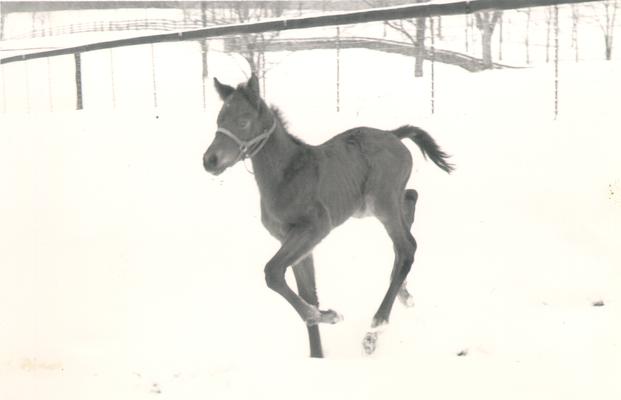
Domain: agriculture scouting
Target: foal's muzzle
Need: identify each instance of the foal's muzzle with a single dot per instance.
(219, 156)
(210, 162)
(216, 159)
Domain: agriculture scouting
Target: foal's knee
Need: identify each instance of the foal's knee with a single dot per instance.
(407, 256)
(411, 195)
(406, 265)
(274, 276)
(412, 245)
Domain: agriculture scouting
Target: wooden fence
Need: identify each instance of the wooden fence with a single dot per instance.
(421, 10)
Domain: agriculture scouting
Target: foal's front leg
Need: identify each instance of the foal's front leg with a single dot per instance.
(298, 243)
(307, 289)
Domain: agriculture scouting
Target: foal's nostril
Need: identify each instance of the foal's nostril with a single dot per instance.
(210, 161)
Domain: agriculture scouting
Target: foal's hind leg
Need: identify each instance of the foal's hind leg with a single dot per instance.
(304, 272)
(409, 208)
(391, 216)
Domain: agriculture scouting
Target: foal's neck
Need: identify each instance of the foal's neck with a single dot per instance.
(270, 162)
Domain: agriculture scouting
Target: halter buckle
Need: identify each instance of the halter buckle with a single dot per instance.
(246, 145)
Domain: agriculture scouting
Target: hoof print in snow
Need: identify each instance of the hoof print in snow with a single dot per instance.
(462, 353)
(155, 389)
(369, 343)
(598, 303)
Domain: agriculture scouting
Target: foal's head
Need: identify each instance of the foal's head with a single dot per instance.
(244, 126)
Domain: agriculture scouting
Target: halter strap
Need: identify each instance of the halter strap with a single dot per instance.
(249, 148)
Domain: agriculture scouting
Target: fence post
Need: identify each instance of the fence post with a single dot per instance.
(78, 80)
(3, 82)
(112, 84)
(433, 66)
(338, 69)
(153, 76)
(204, 48)
(2, 19)
(49, 84)
(556, 83)
(204, 45)
(466, 31)
(27, 78)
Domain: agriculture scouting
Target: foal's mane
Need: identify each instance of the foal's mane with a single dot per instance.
(278, 115)
(261, 106)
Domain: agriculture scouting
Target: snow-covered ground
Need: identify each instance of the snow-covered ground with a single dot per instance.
(128, 272)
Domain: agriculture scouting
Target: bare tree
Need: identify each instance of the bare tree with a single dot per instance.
(607, 23)
(486, 22)
(419, 46)
(405, 27)
(413, 30)
(252, 46)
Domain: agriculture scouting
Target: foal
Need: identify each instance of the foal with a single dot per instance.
(307, 190)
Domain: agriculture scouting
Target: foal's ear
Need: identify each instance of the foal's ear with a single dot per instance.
(253, 85)
(223, 90)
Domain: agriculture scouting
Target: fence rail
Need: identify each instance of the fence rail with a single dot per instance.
(420, 10)
(465, 61)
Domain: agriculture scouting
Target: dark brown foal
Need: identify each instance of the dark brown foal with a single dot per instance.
(307, 190)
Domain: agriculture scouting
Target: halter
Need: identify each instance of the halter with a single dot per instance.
(249, 148)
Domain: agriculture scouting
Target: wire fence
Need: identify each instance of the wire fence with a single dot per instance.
(454, 40)
(143, 24)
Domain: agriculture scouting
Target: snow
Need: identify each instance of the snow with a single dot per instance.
(128, 272)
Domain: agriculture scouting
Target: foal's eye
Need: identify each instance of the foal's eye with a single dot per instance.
(244, 123)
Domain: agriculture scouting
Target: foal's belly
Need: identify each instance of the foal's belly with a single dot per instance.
(365, 209)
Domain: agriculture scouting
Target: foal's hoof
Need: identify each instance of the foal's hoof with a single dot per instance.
(325, 317)
(330, 317)
(406, 298)
(369, 343)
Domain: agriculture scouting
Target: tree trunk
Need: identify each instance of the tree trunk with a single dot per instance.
(419, 47)
(78, 80)
(610, 7)
(486, 42)
(486, 23)
(608, 40)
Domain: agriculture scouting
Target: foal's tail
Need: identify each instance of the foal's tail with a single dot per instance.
(427, 145)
